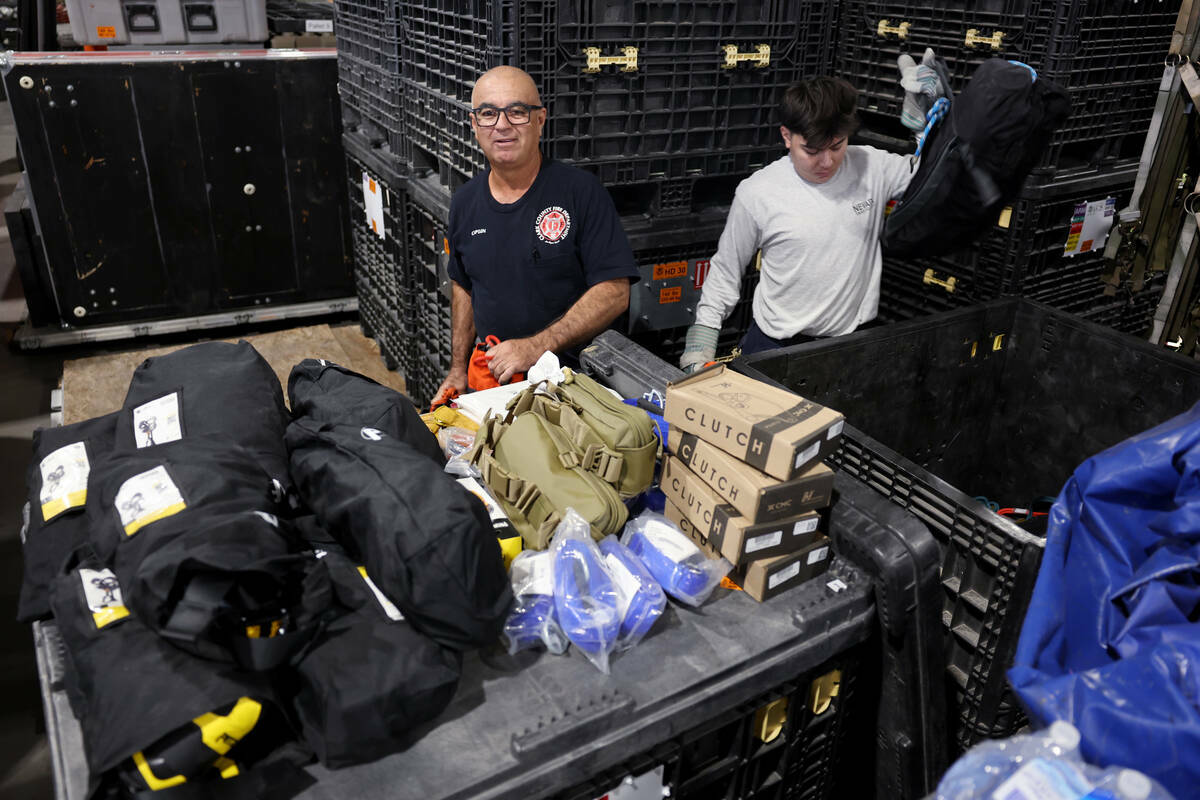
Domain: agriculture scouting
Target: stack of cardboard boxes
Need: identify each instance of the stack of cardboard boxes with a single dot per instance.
(744, 478)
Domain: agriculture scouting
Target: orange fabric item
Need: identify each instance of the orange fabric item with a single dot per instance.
(479, 374)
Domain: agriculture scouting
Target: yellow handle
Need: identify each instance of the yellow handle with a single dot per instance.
(948, 284)
(974, 38)
(761, 57)
(627, 61)
(885, 27)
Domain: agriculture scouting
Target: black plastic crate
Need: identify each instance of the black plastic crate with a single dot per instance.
(373, 97)
(686, 97)
(369, 31)
(290, 16)
(1001, 400)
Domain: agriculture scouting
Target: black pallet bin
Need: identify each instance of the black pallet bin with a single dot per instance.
(1001, 400)
(1109, 54)
(150, 203)
(683, 109)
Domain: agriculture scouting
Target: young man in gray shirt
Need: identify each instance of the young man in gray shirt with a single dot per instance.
(816, 215)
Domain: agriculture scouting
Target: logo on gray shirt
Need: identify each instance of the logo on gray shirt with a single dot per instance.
(863, 206)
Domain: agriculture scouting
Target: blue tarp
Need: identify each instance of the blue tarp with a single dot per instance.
(1111, 641)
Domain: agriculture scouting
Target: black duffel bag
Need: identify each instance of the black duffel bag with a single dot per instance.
(425, 540)
(369, 679)
(191, 531)
(57, 481)
(326, 392)
(136, 697)
(208, 388)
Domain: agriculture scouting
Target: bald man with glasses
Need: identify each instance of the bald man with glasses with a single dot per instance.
(538, 258)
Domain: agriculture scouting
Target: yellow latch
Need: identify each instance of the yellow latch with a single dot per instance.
(1005, 217)
(627, 61)
(931, 280)
(770, 720)
(761, 57)
(998, 343)
(974, 38)
(885, 27)
(823, 690)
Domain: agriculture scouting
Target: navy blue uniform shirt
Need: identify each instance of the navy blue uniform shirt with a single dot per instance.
(526, 263)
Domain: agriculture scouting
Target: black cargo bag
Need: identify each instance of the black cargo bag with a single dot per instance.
(976, 159)
(369, 679)
(425, 540)
(326, 392)
(57, 481)
(191, 531)
(131, 690)
(208, 388)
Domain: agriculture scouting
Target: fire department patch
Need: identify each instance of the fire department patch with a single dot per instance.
(552, 224)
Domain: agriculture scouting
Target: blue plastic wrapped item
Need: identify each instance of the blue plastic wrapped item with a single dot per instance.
(585, 598)
(1111, 641)
(675, 561)
(641, 598)
(1044, 765)
(533, 620)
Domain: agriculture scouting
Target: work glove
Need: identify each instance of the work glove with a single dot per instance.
(699, 348)
(922, 86)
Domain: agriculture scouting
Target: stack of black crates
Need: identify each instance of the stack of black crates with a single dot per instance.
(669, 104)
(1109, 54)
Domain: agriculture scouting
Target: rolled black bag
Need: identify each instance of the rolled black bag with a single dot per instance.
(208, 388)
(327, 392)
(190, 530)
(425, 540)
(131, 690)
(370, 678)
(57, 482)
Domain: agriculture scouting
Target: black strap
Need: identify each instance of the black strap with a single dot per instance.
(202, 604)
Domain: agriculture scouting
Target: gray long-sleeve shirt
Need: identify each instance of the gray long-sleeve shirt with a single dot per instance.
(821, 261)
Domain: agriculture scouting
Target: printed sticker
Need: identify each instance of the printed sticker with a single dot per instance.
(373, 205)
(157, 422)
(836, 429)
(106, 32)
(103, 595)
(64, 480)
(757, 543)
(785, 574)
(389, 607)
(147, 498)
(805, 526)
(670, 294)
(627, 583)
(318, 26)
(818, 555)
(809, 454)
(671, 269)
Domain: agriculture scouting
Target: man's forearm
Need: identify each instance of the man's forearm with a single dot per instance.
(591, 313)
(462, 326)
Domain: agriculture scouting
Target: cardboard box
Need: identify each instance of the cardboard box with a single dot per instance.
(718, 523)
(767, 577)
(756, 495)
(773, 430)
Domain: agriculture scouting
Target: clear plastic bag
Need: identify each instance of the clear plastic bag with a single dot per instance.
(641, 598)
(455, 441)
(679, 565)
(585, 597)
(533, 620)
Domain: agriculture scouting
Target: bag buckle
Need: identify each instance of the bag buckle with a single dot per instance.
(605, 463)
(526, 498)
(569, 459)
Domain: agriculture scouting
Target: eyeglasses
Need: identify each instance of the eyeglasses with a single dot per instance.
(517, 114)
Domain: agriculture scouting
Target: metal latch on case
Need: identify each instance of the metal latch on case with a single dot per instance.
(931, 279)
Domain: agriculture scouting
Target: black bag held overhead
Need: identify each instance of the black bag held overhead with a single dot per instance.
(976, 159)
(325, 392)
(57, 481)
(425, 540)
(370, 678)
(209, 388)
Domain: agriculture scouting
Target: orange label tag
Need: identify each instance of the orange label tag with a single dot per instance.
(671, 294)
(106, 32)
(728, 584)
(672, 269)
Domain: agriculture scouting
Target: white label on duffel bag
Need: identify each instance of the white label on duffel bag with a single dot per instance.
(318, 26)
(805, 526)
(103, 595)
(756, 543)
(64, 479)
(148, 497)
(627, 583)
(785, 574)
(820, 554)
(157, 422)
(389, 607)
(669, 541)
(809, 454)
(474, 487)
(836, 429)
